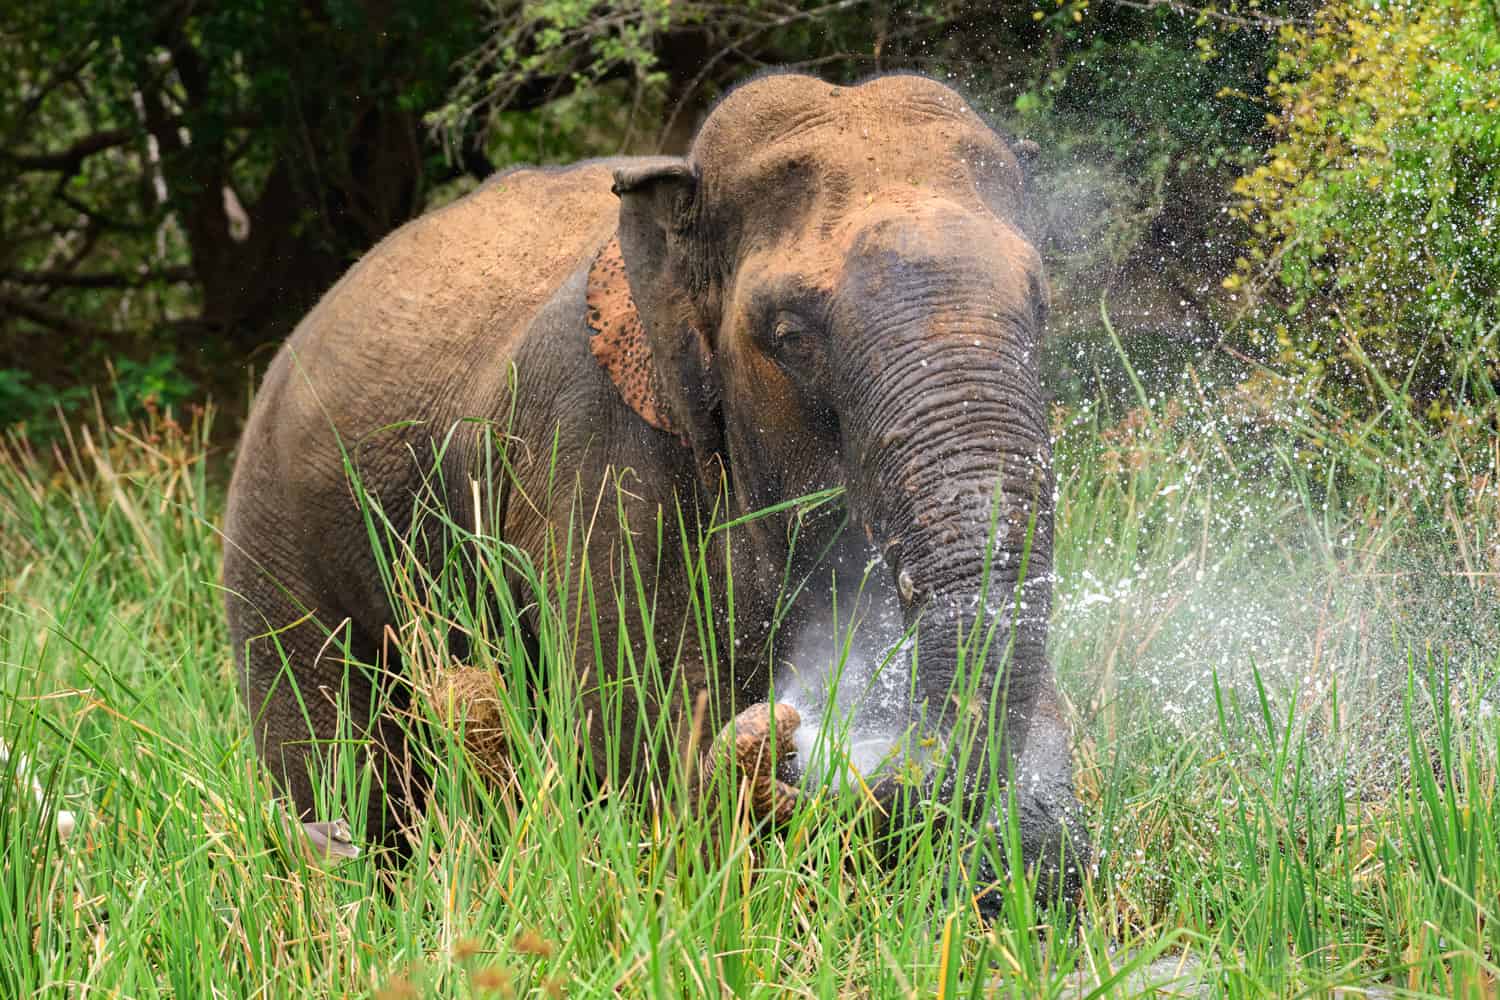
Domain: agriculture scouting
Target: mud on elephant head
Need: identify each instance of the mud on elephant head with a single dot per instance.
(829, 290)
(835, 292)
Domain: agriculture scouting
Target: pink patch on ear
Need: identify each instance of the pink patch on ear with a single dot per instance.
(618, 340)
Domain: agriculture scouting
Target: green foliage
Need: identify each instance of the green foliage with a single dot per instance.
(184, 180)
(1374, 257)
(1138, 116)
(1313, 809)
(25, 402)
(129, 390)
(585, 53)
(1137, 126)
(600, 119)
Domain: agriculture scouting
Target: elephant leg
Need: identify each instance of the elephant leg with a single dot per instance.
(1048, 816)
(317, 708)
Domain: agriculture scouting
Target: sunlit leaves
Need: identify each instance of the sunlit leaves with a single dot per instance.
(1375, 219)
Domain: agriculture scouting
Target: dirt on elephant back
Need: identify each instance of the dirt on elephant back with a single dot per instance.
(462, 282)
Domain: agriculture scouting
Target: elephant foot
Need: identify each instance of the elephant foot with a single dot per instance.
(758, 748)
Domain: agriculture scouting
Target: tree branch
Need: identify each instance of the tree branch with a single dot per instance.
(67, 74)
(68, 161)
(25, 308)
(95, 279)
(733, 45)
(99, 218)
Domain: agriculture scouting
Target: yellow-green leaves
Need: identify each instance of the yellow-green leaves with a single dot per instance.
(1376, 215)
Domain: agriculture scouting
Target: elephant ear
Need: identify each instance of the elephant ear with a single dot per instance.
(618, 340)
(667, 374)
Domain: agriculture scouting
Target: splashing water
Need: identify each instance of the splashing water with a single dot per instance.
(849, 677)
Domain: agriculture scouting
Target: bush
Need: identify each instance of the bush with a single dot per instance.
(132, 388)
(1374, 256)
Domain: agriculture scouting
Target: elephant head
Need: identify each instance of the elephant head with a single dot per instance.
(834, 291)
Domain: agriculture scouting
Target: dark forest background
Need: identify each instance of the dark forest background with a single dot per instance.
(1308, 187)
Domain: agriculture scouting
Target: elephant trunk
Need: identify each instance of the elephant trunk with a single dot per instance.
(958, 491)
(959, 494)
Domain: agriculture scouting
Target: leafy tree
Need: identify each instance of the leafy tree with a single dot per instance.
(1373, 263)
(191, 176)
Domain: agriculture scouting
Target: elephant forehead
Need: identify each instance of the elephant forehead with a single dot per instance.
(915, 222)
(788, 144)
(784, 106)
(903, 244)
(840, 168)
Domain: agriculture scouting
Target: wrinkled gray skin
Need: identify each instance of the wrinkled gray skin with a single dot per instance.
(835, 292)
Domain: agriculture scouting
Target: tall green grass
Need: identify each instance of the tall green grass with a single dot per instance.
(1282, 684)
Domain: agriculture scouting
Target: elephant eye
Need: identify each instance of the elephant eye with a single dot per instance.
(787, 330)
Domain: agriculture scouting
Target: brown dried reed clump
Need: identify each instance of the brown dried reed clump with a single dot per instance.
(467, 701)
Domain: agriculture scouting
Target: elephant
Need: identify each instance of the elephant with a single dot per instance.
(830, 291)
